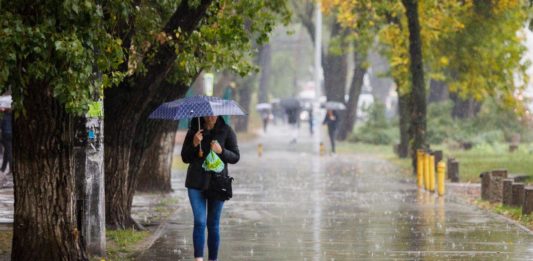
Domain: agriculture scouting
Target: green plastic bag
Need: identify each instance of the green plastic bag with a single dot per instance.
(213, 163)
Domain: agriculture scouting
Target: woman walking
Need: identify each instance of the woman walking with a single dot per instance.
(215, 135)
(331, 120)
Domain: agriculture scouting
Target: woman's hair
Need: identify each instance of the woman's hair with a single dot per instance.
(193, 124)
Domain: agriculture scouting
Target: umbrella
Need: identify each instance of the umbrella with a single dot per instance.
(333, 105)
(290, 103)
(263, 107)
(196, 106)
(5, 101)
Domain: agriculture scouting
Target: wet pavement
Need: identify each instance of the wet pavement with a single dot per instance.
(291, 204)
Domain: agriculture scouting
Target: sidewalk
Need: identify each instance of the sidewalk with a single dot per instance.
(291, 204)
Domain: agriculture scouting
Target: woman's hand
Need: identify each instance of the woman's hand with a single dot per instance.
(198, 137)
(216, 147)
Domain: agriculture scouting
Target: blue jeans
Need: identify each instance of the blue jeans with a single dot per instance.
(200, 205)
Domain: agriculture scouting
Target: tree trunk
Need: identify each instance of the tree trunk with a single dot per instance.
(335, 70)
(404, 114)
(265, 62)
(156, 163)
(438, 91)
(45, 224)
(125, 109)
(348, 122)
(464, 109)
(418, 92)
(151, 154)
(245, 95)
(334, 65)
(120, 122)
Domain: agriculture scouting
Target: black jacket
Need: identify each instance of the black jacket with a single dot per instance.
(196, 176)
(332, 124)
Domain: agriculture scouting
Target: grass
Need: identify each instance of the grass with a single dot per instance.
(6, 236)
(482, 159)
(382, 151)
(510, 212)
(121, 244)
(125, 244)
(472, 162)
(166, 207)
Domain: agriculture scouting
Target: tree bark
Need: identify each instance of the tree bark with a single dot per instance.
(334, 65)
(438, 91)
(156, 163)
(119, 126)
(335, 69)
(404, 113)
(464, 109)
(265, 63)
(151, 154)
(125, 108)
(244, 95)
(356, 85)
(418, 91)
(45, 225)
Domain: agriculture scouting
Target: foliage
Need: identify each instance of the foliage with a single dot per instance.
(440, 125)
(494, 124)
(64, 43)
(472, 45)
(487, 59)
(57, 43)
(228, 38)
(377, 129)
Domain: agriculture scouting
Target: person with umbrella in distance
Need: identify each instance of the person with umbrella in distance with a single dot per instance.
(292, 108)
(264, 111)
(332, 119)
(207, 132)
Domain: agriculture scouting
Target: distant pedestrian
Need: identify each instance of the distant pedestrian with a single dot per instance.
(292, 116)
(311, 131)
(7, 139)
(213, 134)
(331, 120)
(265, 118)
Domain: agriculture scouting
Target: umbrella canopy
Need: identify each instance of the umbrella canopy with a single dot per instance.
(5, 101)
(263, 107)
(333, 105)
(196, 106)
(290, 103)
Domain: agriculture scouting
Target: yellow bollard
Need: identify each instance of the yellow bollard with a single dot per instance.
(322, 149)
(260, 149)
(441, 173)
(426, 171)
(432, 173)
(419, 168)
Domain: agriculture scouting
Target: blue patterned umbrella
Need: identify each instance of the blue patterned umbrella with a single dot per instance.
(196, 106)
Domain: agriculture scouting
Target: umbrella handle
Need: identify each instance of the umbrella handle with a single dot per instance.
(200, 152)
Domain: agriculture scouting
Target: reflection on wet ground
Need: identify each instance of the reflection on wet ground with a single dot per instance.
(293, 205)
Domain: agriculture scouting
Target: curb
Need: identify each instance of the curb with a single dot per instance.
(493, 214)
